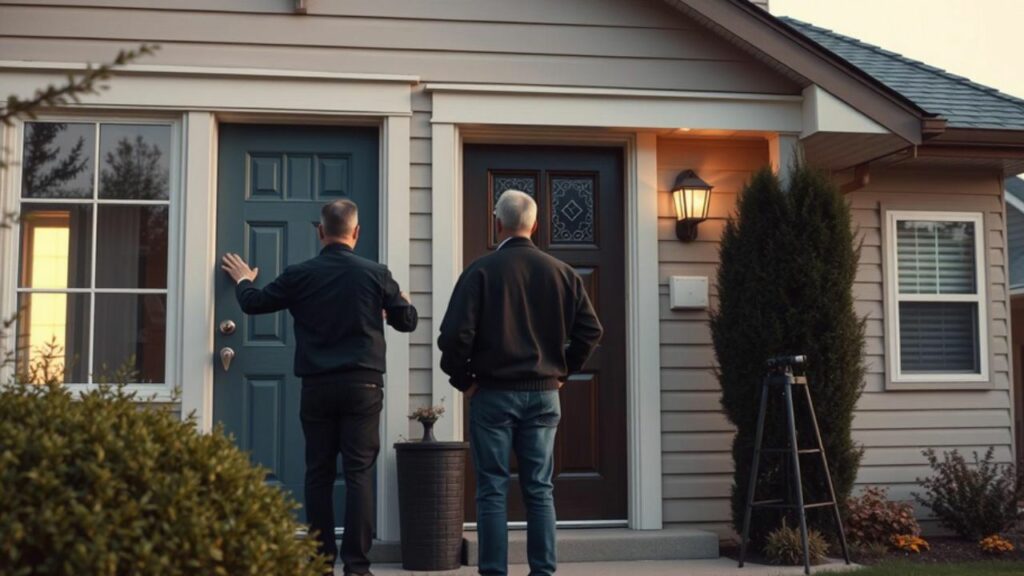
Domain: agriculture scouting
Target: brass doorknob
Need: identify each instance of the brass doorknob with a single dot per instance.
(226, 356)
(227, 327)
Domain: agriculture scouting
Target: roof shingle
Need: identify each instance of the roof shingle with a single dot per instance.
(963, 103)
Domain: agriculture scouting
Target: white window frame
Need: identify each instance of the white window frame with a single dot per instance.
(11, 201)
(894, 298)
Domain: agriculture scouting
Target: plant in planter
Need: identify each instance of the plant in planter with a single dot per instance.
(431, 488)
(428, 416)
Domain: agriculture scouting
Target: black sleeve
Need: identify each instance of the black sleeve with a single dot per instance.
(276, 296)
(401, 314)
(459, 329)
(585, 333)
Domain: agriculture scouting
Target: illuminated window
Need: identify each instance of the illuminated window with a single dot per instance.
(92, 282)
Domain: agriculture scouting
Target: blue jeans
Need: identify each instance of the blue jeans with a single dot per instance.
(502, 421)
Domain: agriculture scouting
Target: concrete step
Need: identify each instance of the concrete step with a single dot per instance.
(612, 544)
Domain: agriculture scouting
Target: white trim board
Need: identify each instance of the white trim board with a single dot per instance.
(198, 71)
(168, 88)
(643, 339)
(512, 105)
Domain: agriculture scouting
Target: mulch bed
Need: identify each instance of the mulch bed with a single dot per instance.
(944, 550)
(949, 550)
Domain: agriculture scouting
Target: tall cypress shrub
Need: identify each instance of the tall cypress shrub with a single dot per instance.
(787, 266)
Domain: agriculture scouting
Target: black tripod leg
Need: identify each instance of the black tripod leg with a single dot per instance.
(828, 477)
(795, 457)
(752, 483)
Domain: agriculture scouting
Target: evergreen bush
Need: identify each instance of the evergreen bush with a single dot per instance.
(98, 485)
(787, 266)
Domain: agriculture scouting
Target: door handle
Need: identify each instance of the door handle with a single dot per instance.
(227, 327)
(227, 354)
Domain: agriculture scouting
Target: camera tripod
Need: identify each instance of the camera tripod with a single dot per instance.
(780, 374)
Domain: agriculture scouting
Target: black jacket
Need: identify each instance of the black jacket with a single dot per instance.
(337, 301)
(510, 318)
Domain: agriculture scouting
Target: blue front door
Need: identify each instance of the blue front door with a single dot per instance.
(272, 181)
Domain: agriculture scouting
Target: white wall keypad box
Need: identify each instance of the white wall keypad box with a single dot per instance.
(688, 292)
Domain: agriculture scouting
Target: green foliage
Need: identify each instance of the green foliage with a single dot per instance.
(784, 546)
(97, 485)
(973, 501)
(872, 518)
(788, 262)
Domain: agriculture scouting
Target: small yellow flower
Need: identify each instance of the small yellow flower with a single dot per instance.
(995, 544)
(910, 543)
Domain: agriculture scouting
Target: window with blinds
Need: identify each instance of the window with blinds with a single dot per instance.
(936, 261)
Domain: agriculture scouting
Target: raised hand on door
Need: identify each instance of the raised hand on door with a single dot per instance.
(237, 269)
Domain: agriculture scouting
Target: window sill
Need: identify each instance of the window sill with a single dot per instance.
(941, 383)
(144, 393)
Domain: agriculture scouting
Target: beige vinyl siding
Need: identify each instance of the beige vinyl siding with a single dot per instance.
(421, 341)
(893, 426)
(608, 43)
(696, 436)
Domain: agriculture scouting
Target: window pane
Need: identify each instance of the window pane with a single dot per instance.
(58, 160)
(939, 337)
(131, 329)
(935, 257)
(131, 246)
(53, 337)
(134, 161)
(55, 246)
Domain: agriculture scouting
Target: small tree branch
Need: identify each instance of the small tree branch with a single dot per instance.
(91, 82)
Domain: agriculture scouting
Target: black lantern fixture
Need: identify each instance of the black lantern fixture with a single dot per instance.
(691, 197)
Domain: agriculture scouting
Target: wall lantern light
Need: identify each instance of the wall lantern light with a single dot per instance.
(691, 197)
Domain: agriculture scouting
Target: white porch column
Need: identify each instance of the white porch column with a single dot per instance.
(199, 238)
(394, 203)
(446, 262)
(644, 401)
(782, 150)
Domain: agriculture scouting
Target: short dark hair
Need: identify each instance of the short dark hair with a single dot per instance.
(339, 218)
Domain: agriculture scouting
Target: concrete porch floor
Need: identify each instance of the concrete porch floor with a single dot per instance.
(711, 567)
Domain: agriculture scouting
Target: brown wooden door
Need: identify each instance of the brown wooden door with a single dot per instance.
(581, 211)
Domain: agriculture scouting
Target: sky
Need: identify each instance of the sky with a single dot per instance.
(980, 39)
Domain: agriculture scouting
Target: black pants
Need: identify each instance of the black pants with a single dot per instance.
(342, 417)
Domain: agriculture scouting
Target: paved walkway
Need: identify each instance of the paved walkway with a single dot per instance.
(717, 567)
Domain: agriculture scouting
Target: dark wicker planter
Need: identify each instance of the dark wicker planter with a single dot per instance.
(431, 487)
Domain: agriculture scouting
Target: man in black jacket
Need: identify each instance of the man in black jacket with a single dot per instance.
(504, 343)
(339, 302)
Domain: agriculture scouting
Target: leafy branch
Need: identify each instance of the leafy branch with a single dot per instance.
(91, 82)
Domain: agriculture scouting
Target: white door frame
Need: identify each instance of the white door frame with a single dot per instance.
(201, 97)
(642, 342)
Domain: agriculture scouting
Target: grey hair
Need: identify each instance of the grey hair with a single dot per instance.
(339, 218)
(517, 210)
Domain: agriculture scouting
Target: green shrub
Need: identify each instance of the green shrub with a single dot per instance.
(98, 485)
(788, 263)
(872, 518)
(973, 501)
(785, 547)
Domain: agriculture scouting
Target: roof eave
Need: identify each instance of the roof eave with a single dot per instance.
(758, 31)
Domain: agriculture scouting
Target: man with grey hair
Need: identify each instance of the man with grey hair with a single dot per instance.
(503, 343)
(337, 300)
